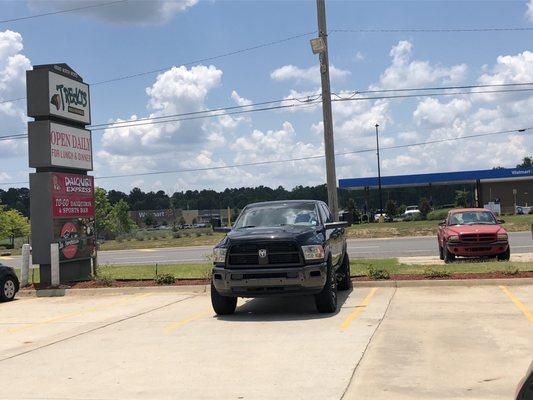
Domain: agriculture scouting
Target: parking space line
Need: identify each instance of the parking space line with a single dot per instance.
(77, 313)
(171, 328)
(353, 315)
(521, 306)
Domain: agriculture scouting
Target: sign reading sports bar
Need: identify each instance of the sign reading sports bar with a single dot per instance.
(64, 96)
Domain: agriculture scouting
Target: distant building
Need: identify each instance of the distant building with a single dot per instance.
(172, 217)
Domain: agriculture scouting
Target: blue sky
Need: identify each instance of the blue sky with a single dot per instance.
(135, 36)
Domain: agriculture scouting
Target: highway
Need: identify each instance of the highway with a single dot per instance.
(521, 242)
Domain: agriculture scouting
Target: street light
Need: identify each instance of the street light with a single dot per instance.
(379, 175)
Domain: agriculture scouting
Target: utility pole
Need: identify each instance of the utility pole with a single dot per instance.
(326, 110)
(379, 174)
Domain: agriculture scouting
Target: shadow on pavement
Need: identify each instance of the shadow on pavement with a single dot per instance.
(291, 308)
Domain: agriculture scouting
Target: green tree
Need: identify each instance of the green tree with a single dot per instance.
(12, 225)
(149, 220)
(120, 219)
(391, 209)
(102, 208)
(527, 162)
(461, 198)
(424, 207)
(182, 221)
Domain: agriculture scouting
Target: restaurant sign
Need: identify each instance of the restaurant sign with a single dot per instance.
(72, 196)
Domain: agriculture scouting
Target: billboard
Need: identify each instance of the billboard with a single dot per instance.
(55, 94)
(57, 145)
(72, 195)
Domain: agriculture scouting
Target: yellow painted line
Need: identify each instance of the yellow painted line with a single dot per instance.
(353, 315)
(521, 306)
(176, 325)
(147, 250)
(6, 258)
(77, 313)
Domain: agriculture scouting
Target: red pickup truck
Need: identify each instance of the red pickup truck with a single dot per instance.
(472, 232)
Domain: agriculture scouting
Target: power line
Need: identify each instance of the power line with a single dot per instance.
(431, 30)
(521, 130)
(61, 11)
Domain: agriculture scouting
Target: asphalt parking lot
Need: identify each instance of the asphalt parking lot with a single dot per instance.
(384, 343)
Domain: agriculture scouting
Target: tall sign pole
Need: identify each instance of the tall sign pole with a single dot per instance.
(379, 174)
(61, 192)
(331, 176)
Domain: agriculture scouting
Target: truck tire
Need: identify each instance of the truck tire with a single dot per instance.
(326, 300)
(506, 255)
(441, 252)
(345, 282)
(8, 288)
(223, 305)
(448, 257)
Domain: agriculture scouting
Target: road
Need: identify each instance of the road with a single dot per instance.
(521, 242)
(383, 343)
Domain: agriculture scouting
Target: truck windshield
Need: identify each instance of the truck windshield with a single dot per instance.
(473, 218)
(270, 215)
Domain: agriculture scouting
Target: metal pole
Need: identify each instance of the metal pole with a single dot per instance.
(25, 269)
(331, 178)
(54, 264)
(379, 172)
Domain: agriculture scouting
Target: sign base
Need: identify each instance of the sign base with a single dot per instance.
(73, 271)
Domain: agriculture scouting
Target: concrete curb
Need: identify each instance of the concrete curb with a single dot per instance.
(195, 289)
(113, 291)
(447, 282)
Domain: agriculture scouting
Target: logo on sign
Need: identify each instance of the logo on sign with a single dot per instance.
(69, 240)
(70, 99)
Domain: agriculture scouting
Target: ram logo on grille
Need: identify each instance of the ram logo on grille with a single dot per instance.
(262, 253)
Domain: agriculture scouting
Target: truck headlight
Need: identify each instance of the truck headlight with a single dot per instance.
(502, 237)
(313, 252)
(453, 238)
(219, 255)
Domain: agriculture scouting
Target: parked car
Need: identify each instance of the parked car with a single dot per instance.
(472, 232)
(9, 283)
(525, 387)
(411, 210)
(378, 214)
(281, 248)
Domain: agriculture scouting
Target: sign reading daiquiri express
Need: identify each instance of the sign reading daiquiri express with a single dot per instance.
(57, 145)
(61, 192)
(56, 90)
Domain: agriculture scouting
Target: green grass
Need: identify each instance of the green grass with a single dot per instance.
(358, 268)
(513, 223)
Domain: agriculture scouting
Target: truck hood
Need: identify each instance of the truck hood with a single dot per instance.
(301, 234)
(461, 229)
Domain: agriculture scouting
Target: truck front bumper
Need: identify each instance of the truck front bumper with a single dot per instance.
(264, 282)
(477, 249)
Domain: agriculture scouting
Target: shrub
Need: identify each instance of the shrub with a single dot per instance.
(165, 279)
(511, 270)
(431, 273)
(104, 280)
(176, 235)
(378, 274)
(438, 214)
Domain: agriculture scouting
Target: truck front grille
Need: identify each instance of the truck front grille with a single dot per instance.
(478, 237)
(277, 254)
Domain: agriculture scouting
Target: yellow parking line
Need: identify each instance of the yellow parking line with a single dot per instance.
(353, 315)
(176, 325)
(77, 313)
(147, 250)
(6, 258)
(521, 306)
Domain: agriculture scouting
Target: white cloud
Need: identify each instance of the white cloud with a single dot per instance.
(178, 90)
(154, 12)
(240, 101)
(306, 75)
(13, 66)
(433, 113)
(529, 10)
(359, 56)
(405, 72)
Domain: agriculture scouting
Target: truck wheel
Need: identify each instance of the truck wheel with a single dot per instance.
(448, 257)
(441, 253)
(506, 255)
(345, 282)
(223, 305)
(326, 300)
(8, 288)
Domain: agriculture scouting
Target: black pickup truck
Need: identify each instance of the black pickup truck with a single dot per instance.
(281, 248)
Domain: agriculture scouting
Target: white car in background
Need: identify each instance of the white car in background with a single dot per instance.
(410, 213)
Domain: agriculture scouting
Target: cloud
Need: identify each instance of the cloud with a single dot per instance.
(306, 75)
(178, 90)
(13, 66)
(405, 72)
(152, 12)
(359, 56)
(434, 113)
(529, 10)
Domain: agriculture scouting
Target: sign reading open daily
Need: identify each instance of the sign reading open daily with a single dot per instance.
(68, 98)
